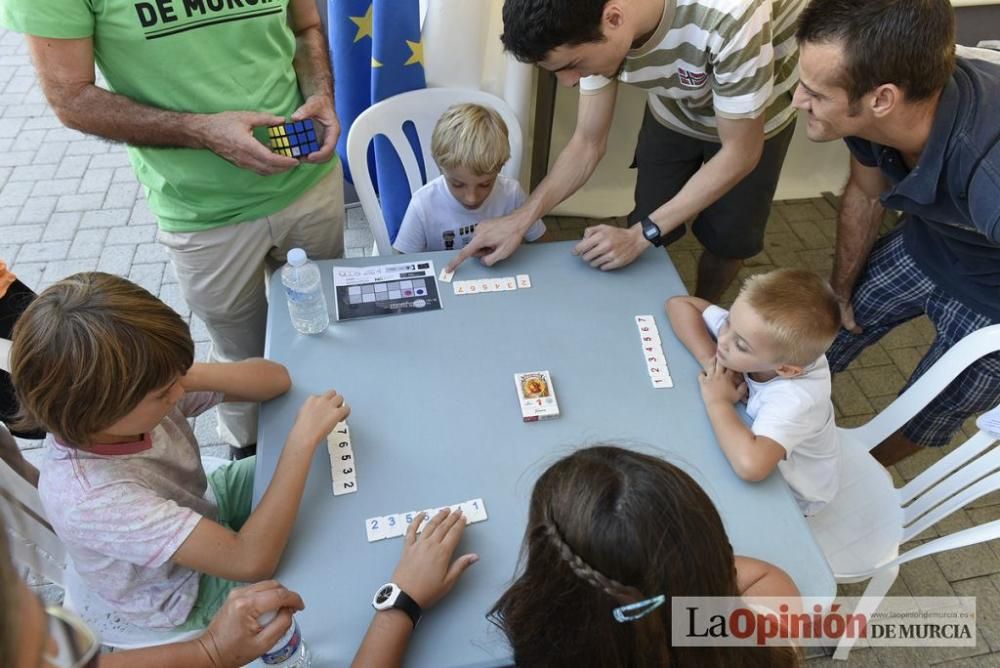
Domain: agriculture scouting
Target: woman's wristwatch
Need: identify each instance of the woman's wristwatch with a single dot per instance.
(389, 596)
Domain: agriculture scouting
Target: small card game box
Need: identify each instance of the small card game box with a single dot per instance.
(537, 396)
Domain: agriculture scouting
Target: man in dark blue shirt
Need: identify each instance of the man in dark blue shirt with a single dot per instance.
(923, 129)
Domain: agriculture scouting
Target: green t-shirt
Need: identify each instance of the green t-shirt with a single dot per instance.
(202, 56)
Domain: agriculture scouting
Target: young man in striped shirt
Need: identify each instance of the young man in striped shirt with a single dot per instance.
(720, 76)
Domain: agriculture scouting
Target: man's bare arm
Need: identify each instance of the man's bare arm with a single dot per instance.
(312, 68)
(66, 70)
(497, 239)
(861, 213)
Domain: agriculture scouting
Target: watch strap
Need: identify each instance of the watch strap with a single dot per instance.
(409, 606)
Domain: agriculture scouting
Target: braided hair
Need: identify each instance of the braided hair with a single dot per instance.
(608, 527)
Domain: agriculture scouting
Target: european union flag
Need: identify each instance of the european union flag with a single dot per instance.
(377, 53)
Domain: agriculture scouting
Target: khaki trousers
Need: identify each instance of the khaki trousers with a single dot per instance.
(223, 272)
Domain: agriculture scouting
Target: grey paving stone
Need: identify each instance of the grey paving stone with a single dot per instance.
(15, 193)
(22, 234)
(30, 273)
(116, 157)
(116, 259)
(87, 202)
(61, 226)
(172, 296)
(5, 173)
(199, 332)
(62, 133)
(132, 234)
(73, 167)
(8, 253)
(29, 109)
(104, 218)
(8, 214)
(11, 128)
(96, 180)
(123, 175)
(121, 195)
(44, 251)
(150, 252)
(141, 215)
(56, 187)
(33, 172)
(56, 271)
(37, 210)
(88, 243)
(87, 147)
(149, 276)
(50, 152)
(44, 122)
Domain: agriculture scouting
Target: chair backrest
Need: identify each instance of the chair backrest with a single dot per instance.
(422, 108)
(34, 545)
(962, 476)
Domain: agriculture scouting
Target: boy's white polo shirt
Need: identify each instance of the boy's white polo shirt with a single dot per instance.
(797, 413)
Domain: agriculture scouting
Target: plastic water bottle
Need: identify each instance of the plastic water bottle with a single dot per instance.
(290, 650)
(304, 289)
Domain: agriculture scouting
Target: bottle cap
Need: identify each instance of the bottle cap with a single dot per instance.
(297, 257)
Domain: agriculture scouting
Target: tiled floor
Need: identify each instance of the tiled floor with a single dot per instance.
(69, 203)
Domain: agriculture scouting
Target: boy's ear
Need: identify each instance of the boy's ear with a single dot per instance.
(789, 370)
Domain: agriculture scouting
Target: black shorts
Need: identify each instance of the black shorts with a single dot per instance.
(733, 226)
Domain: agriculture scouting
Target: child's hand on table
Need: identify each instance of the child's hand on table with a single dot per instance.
(426, 571)
(318, 416)
(719, 384)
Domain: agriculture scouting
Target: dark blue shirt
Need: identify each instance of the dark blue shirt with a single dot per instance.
(953, 193)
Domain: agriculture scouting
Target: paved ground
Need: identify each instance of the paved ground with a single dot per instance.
(69, 203)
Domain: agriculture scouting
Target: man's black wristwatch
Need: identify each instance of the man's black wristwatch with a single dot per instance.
(651, 232)
(389, 596)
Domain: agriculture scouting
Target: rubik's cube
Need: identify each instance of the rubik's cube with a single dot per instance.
(296, 139)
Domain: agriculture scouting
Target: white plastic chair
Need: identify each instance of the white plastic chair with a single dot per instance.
(860, 531)
(36, 548)
(422, 108)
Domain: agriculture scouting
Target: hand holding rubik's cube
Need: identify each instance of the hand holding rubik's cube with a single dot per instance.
(295, 139)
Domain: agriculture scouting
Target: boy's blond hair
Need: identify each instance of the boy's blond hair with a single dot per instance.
(471, 136)
(800, 310)
(89, 349)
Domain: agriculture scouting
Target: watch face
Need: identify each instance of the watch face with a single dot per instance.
(383, 594)
(650, 231)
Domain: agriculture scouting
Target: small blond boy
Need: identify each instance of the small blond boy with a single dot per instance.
(769, 349)
(470, 146)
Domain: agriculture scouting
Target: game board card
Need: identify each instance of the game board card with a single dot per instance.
(484, 285)
(446, 275)
(523, 281)
(471, 287)
(375, 528)
(348, 485)
(509, 283)
(497, 285)
(645, 320)
(428, 516)
(651, 338)
(536, 395)
(662, 383)
(475, 510)
(461, 287)
(394, 526)
(657, 370)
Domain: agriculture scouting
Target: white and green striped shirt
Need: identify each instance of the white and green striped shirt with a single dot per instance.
(710, 58)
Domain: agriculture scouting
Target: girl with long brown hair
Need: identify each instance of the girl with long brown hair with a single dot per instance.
(612, 535)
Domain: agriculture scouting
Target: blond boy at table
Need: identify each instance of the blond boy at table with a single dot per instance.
(470, 146)
(769, 350)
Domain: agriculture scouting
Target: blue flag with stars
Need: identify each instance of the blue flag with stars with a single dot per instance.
(377, 53)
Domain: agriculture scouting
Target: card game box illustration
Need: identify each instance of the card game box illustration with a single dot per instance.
(536, 395)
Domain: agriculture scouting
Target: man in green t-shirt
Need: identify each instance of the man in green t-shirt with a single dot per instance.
(193, 84)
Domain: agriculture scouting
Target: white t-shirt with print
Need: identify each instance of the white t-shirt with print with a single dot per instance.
(796, 413)
(435, 220)
(123, 516)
